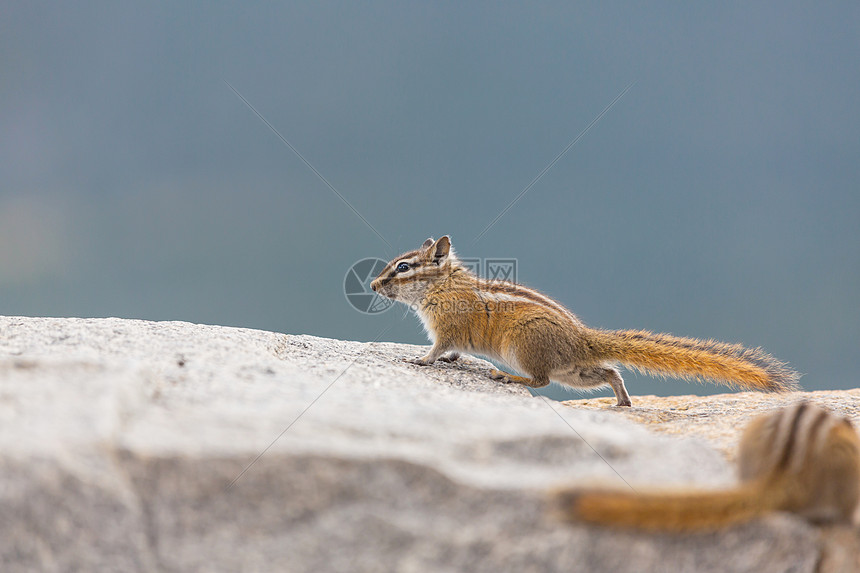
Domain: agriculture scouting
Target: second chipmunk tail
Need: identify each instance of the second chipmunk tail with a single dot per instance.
(677, 512)
(691, 358)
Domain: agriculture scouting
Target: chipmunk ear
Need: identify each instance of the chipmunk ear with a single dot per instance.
(427, 243)
(441, 249)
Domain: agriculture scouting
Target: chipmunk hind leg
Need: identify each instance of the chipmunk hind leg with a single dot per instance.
(594, 377)
(521, 358)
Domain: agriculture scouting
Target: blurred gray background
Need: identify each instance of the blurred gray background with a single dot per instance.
(717, 198)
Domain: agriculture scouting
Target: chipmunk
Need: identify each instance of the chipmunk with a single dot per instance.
(801, 459)
(539, 337)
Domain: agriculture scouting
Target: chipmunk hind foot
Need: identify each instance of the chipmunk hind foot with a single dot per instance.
(595, 377)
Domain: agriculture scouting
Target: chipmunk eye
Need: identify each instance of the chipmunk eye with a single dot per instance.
(402, 267)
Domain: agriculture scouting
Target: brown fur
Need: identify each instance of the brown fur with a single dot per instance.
(801, 459)
(542, 339)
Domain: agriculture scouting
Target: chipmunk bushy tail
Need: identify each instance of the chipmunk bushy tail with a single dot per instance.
(694, 359)
(672, 512)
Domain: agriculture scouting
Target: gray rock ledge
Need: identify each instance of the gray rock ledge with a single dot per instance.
(120, 439)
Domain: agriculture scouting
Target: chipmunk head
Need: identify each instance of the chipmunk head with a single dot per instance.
(407, 277)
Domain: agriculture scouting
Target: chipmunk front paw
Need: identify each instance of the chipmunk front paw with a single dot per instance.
(423, 361)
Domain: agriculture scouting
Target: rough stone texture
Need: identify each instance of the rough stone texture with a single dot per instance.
(137, 446)
(719, 419)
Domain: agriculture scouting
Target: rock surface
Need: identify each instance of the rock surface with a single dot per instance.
(128, 445)
(719, 419)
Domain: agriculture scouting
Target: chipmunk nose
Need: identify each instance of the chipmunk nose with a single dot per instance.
(374, 285)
